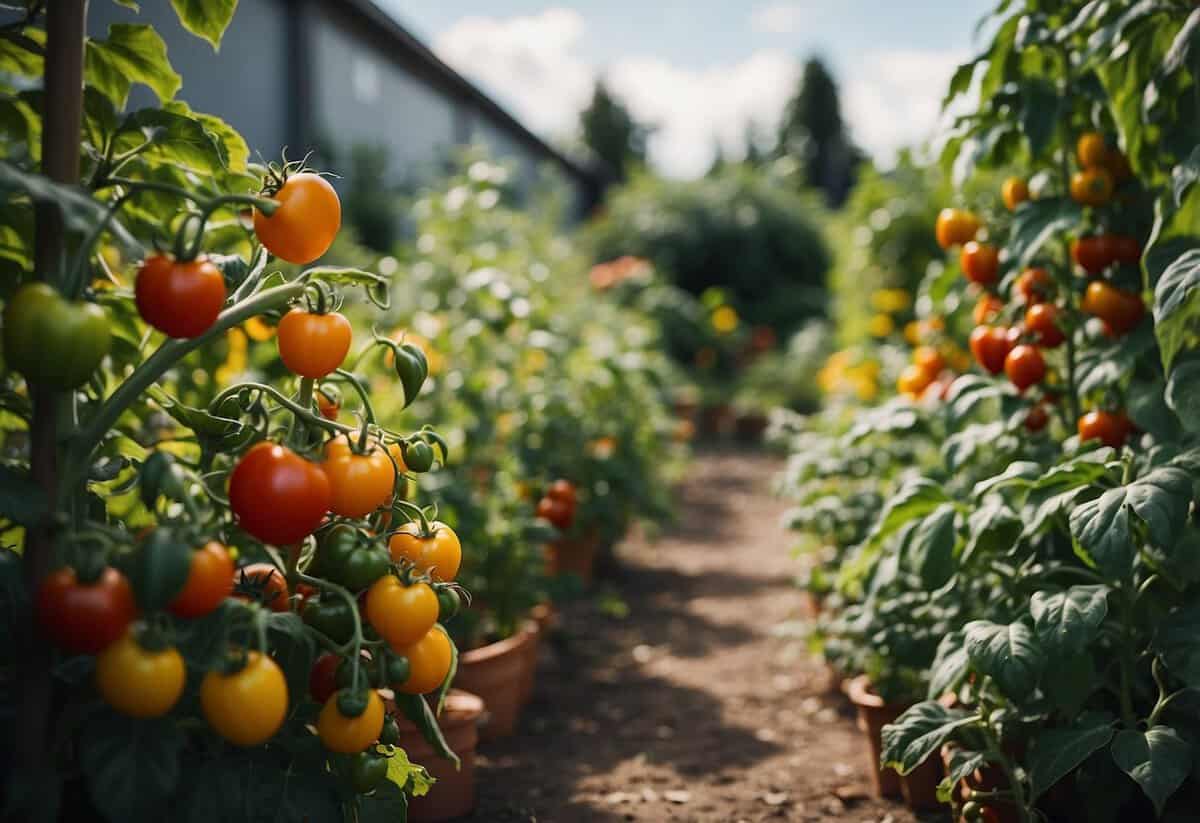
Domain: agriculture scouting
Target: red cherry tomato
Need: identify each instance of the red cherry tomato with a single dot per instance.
(304, 224)
(85, 617)
(1120, 310)
(1025, 366)
(980, 262)
(1093, 254)
(1034, 285)
(277, 495)
(179, 298)
(322, 680)
(987, 309)
(209, 582)
(990, 345)
(1110, 428)
(313, 345)
(1037, 418)
(1041, 320)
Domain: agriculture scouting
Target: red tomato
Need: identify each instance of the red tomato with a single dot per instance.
(277, 496)
(267, 585)
(83, 617)
(557, 512)
(1110, 428)
(1025, 366)
(980, 262)
(990, 345)
(1037, 418)
(1093, 254)
(1041, 320)
(987, 309)
(322, 680)
(1120, 310)
(955, 227)
(1035, 285)
(180, 299)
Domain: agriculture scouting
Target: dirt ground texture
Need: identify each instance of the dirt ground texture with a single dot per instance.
(690, 707)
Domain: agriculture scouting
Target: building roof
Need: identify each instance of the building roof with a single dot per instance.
(433, 68)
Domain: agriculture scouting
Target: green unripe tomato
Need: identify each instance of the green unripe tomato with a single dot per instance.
(52, 341)
(368, 770)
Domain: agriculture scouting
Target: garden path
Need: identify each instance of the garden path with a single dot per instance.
(690, 706)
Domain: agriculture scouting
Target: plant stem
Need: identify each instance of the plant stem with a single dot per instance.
(62, 126)
(1128, 718)
(155, 366)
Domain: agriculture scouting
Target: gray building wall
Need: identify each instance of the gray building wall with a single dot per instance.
(245, 84)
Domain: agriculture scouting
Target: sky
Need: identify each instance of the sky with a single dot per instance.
(700, 70)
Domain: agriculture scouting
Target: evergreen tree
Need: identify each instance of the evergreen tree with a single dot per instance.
(611, 132)
(718, 162)
(813, 132)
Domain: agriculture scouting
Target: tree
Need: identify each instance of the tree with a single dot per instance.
(813, 132)
(611, 132)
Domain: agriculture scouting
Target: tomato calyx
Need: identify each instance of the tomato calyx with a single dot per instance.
(277, 174)
(351, 702)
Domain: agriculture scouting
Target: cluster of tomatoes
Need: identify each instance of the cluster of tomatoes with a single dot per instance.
(375, 602)
(1047, 308)
(557, 506)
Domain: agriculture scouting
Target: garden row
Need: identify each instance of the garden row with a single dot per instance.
(1003, 554)
(261, 515)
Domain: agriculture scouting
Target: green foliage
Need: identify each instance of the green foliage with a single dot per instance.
(813, 133)
(612, 134)
(739, 231)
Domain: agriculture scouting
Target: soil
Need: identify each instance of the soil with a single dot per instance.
(691, 706)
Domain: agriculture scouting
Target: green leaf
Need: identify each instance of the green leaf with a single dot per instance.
(1102, 529)
(417, 709)
(206, 19)
(962, 764)
(133, 53)
(1070, 682)
(963, 445)
(1177, 304)
(918, 733)
(1066, 622)
(80, 212)
(1017, 473)
(967, 392)
(388, 803)
(949, 667)
(21, 500)
(1181, 48)
(1058, 752)
(1009, 654)
(1177, 639)
(991, 528)
(1038, 222)
(1184, 176)
(174, 136)
(409, 776)
(1040, 116)
(20, 54)
(931, 549)
(235, 153)
(917, 498)
(132, 766)
(1158, 760)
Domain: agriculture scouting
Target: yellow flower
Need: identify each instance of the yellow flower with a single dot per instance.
(235, 360)
(725, 319)
(258, 329)
(891, 300)
(881, 325)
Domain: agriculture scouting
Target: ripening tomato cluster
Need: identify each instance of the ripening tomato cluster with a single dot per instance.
(1043, 310)
(557, 506)
(375, 598)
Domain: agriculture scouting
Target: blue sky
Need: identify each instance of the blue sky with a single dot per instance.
(702, 69)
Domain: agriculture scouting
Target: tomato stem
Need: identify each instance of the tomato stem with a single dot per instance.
(154, 367)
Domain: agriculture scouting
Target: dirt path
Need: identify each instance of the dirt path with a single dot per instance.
(688, 708)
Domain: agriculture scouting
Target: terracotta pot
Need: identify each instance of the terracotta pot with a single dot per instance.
(496, 673)
(873, 715)
(718, 420)
(454, 793)
(529, 672)
(573, 556)
(919, 787)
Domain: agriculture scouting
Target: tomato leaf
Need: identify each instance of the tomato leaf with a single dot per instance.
(991, 528)
(931, 548)
(132, 766)
(1158, 760)
(1070, 682)
(915, 499)
(962, 763)
(918, 733)
(1036, 223)
(1009, 654)
(207, 19)
(1181, 48)
(1102, 528)
(174, 137)
(388, 803)
(1177, 304)
(1177, 639)
(1058, 752)
(417, 709)
(80, 212)
(949, 667)
(409, 776)
(1066, 622)
(133, 53)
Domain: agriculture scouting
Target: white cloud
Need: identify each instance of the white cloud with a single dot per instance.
(534, 65)
(894, 98)
(778, 18)
(693, 107)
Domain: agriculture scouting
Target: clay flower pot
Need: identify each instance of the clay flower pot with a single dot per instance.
(918, 787)
(454, 793)
(529, 670)
(573, 556)
(496, 672)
